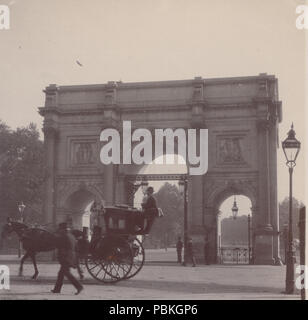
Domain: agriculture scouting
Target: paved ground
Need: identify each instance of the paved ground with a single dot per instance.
(158, 280)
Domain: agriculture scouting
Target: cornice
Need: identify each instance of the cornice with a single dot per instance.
(168, 83)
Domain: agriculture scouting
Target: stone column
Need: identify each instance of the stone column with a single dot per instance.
(273, 140)
(264, 175)
(121, 194)
(195, 200)
(195, 214)
(210, 229)
(263, 250)
(109, 184)
(199, 231)
(50, 134)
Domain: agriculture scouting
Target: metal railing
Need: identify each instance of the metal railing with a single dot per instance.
(235, 255)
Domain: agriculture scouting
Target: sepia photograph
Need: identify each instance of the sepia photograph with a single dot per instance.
(153, 150)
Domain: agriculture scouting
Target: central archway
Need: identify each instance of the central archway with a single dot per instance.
(164, 179)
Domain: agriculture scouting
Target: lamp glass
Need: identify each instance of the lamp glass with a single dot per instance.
(21, 207)
(234, 210)
(291, 146)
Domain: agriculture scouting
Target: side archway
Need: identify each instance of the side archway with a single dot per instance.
(75, 206)
(215, 199)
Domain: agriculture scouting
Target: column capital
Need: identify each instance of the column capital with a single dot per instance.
(50, 131)
(263, 124)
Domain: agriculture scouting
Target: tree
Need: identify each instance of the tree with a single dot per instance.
(284, 215)
(21, 171)
(234, 231)
(166, 230)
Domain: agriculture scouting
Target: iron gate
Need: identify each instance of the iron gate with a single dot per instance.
(235, 255)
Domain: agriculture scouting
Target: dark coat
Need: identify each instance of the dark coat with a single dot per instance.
(179, 245)
(67, 249)
(150, 203)
(150, 207)
(190, 248)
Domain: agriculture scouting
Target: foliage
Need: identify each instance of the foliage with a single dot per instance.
(166, 230)
(21, 171)
(234, 231)
(284, 216)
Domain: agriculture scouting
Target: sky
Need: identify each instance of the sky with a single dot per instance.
(149, 40)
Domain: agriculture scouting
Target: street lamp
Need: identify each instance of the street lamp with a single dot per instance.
(183, 191)
(249, 237)
(234, 209)
(21, 209)
(291, 147)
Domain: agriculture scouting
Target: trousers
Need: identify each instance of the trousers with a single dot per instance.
(65, 272)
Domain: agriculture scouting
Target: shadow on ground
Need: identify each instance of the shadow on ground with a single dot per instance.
(168, 286)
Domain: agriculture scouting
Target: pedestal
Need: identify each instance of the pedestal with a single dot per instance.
(263, 250)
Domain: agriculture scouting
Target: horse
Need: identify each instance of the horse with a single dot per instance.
(34, 240)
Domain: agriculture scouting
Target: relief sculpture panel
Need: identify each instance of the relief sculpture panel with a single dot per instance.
(229, 150)
(83, 153)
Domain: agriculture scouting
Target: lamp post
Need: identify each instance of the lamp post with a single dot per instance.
(285, 242)
(249, 244)
(21, 208)
(291, 147)
(183, 191)
(234, 209)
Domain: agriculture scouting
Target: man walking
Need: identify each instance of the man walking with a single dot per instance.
(206, 250)
(190, 255)
(179, 249)
(67, 259)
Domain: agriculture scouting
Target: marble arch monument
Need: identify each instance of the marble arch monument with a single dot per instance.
(241, 113)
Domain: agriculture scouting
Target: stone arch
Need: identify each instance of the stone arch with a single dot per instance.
(216, 195)
(73, 188)
(222, 192)
(75, 203)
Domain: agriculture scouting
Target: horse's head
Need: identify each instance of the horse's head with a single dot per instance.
(13, 226)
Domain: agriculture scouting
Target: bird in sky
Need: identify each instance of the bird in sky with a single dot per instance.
(79, 63)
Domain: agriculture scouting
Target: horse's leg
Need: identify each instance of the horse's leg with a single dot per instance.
(32, 255)
(26, 255)
(79, 270)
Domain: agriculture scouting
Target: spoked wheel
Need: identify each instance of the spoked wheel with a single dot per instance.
(111, 259)
(138, 257)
